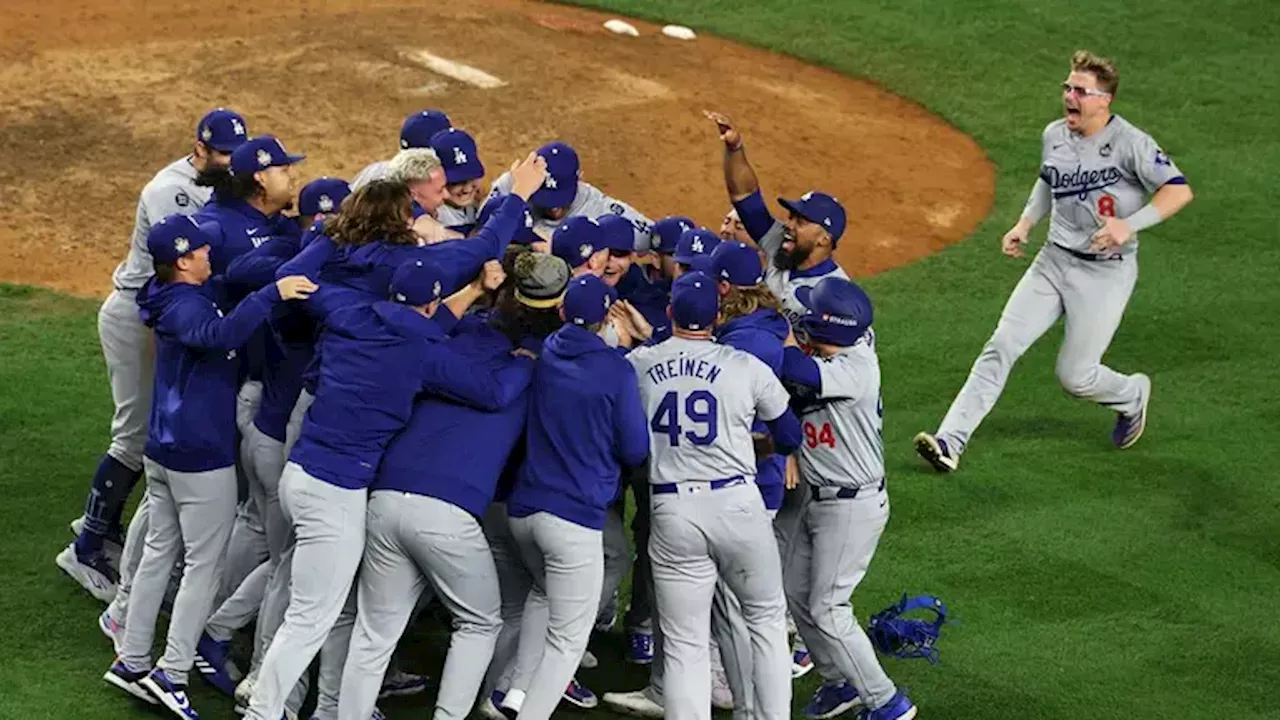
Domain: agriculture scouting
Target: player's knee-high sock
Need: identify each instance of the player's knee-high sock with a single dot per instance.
(108, 494)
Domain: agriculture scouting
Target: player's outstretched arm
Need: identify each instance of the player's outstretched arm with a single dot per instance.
(739, 176)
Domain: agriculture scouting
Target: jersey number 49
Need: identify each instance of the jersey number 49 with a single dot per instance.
(699, 412)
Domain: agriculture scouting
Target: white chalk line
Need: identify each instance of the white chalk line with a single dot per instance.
(455, 70)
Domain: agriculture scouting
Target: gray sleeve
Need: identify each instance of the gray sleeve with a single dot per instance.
(849, 376)
(161, 201)
(500, 187)
(1039, 202)
(1149, 164)
(771, 242)
(772, 399)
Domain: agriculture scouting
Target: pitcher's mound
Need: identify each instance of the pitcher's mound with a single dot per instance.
(98, 99)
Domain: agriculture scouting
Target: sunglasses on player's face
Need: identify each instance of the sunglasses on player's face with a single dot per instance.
(1069, 89)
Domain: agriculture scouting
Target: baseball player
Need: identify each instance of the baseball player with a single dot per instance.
(415, 132)
(288, 352)
(463, 172)
(579, 241)
(585, 424)
(564, 194)
(800, 249)
(128, 349)
(842, 464)
(1105, 182)
(436, 478)
(376, 358)
(731, 228)
(190, 453)
(708, 520)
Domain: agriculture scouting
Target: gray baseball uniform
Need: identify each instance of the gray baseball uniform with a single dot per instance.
(207, 499)
(589, 202)
(1110, 173)
(127, 344)
(451, 216)
(514, 584)
(414, 540)
(842, 464)
(708, 519)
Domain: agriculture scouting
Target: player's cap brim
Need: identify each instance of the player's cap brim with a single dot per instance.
(560, 197)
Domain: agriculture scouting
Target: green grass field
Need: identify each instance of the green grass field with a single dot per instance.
(1086, 582)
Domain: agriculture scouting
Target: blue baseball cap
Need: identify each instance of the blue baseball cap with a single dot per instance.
(222, 130)
(665, 234)
(695, 246)
(587, 300)
(576, 240)
(457, 151)
(418, 128)
(175, 236)
(260, 153)
(524, 231)
(839, 312)
(561, 184)
(617, 232)
(819, 208)
(695, 301)
(737, 263)
(417, 282)
(322, 195)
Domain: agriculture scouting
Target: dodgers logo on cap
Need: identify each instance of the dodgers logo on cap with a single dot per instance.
(459, 157)
(264, 158)
(325, 203)
(181, 245)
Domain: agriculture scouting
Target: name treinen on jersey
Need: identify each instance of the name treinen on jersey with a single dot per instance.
(676, 367)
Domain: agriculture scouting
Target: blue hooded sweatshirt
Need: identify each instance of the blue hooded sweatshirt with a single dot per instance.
(377, 358)
(762, 334)
(290, 340)
(451, 451)
(586, 421)
(193, 413)
(238, 227)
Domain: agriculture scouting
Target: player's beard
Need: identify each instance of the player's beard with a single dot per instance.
(788, 261)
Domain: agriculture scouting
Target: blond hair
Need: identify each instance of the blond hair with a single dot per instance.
(413, 164)
(741, 301)
(1103, 69)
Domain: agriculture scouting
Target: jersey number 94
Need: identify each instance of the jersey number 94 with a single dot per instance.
(699, 414)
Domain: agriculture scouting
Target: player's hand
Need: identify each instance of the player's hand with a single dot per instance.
(430, 231)
(625, 338)
(491, 276)
(791, 337)
(295, 287)
(1013, 241)
(542, 246)
(792, 474)
(724, 124)
(528, 175)
(522, 352)
(640, 327)
(1113, 233)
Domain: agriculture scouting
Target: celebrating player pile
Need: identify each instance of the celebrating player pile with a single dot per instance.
(405, 395)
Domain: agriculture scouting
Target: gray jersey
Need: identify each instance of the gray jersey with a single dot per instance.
(453, 217)
(842, 427)
(589, 202)
(700, 398)
(371, 172)
(1110, 173)
(783, 283)
(172, 190)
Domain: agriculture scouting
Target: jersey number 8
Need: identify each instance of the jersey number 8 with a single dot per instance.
(699, 408)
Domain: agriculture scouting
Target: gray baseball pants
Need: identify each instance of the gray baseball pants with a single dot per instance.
(698, 536)
(128, 347)
(1092, 295)
(566, 562)
(329, 527)
(190, 513)
(828, 557)
(413, 540)
(514, 583)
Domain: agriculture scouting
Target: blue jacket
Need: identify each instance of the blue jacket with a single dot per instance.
(193, 413)
(377, 358)
(451, 451)
(651, 298)
(290, 340)
(762, 333)
(585, 422)
(238, 227)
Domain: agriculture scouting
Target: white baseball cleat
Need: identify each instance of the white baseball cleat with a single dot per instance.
(95, 577)
(1130, 427)
(112, 546)
(112, 629)
(589, 660)
(935, 451)
(638, 703)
